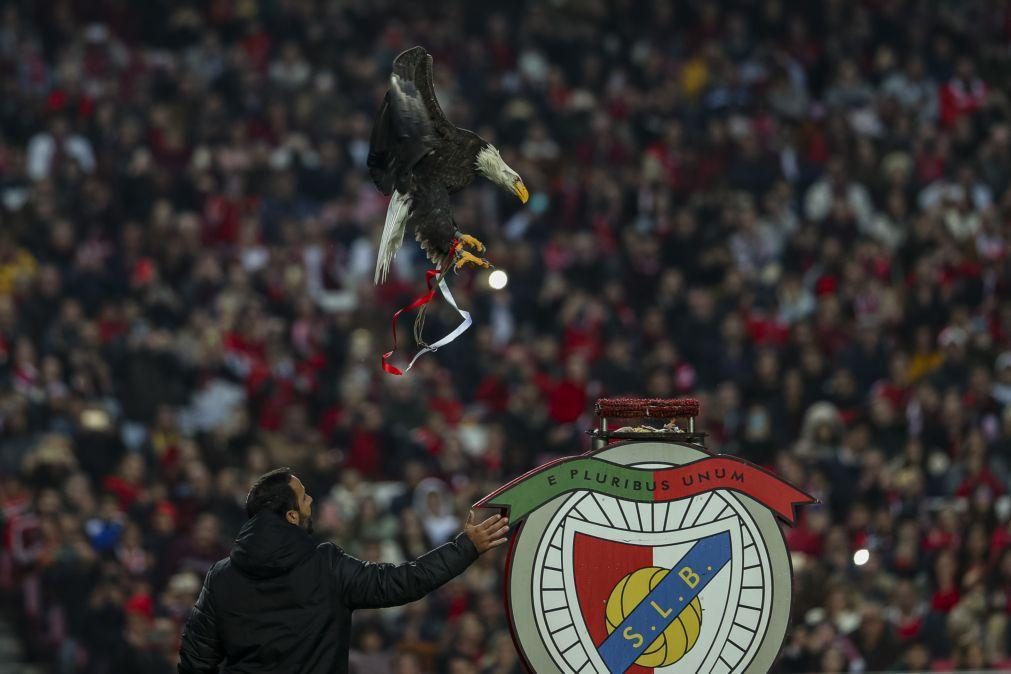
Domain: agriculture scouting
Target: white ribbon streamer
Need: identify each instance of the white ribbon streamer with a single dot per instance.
(459, 330)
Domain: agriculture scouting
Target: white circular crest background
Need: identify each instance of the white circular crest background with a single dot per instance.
(745, 608)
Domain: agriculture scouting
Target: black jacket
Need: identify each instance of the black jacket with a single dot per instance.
(282, 604)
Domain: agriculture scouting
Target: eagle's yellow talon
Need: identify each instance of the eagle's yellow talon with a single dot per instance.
(463, 258)
(469, 240)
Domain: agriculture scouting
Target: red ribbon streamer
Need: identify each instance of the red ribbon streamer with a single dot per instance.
(419, 301)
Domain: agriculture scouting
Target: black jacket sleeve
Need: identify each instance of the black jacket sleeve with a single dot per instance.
(371, 585)
(200, 650)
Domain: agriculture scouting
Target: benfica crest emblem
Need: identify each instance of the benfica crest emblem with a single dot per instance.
(648, 555)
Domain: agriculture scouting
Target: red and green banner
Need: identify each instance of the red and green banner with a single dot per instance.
(645, 485)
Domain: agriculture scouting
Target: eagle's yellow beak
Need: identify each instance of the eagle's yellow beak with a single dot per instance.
(521, 191)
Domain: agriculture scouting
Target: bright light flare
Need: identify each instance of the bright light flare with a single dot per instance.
(498, 279)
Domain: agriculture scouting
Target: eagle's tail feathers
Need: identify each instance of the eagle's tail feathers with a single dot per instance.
(393, 234)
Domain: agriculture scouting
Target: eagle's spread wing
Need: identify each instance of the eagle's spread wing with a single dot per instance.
(401, 136)
(415, 65)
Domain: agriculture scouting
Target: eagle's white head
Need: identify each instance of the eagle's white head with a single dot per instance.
(490, 164)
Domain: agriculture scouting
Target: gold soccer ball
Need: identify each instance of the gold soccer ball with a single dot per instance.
(667, 646)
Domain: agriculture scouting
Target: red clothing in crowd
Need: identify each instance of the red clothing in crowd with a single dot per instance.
(908, 627)
(365, 452)
(958, 97)
(945, 599)
(126, 492)
(566, 401)
(802, 539)
(937, 539)
(983, 479)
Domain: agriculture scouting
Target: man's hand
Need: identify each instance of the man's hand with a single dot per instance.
(487, 535)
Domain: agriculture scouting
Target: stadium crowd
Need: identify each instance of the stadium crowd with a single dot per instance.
(799, 212)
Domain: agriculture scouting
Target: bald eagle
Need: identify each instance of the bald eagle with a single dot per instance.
(419, 158)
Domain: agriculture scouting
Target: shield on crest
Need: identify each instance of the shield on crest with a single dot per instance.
(652, 602)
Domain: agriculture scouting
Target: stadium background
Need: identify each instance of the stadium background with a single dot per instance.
(799, 212)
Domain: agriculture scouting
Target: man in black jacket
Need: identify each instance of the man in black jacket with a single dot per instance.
(282, 604)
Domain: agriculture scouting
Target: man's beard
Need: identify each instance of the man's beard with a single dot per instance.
(305, 522)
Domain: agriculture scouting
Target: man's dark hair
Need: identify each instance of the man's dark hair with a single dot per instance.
(272, 492)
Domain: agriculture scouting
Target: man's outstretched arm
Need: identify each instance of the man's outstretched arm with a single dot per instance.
(200, 650)
(370, 585)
